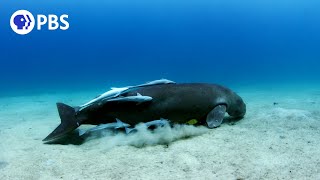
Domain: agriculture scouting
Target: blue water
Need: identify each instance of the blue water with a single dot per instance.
(129, 42)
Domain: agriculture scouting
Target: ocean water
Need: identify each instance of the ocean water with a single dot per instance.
(128, 42)
(268, 51)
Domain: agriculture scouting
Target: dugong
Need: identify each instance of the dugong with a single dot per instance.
(177, 102)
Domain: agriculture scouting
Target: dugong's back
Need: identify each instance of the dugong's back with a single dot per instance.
(176, 102)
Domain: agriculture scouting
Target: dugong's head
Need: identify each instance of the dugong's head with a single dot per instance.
(236, 108)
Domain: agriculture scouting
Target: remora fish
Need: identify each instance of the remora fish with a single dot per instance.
(115, 125)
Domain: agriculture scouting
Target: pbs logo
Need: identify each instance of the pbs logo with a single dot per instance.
(23, 22)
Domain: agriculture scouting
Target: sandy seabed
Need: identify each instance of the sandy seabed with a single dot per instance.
(279, 138)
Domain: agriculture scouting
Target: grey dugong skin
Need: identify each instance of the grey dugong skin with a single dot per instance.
(177, 102)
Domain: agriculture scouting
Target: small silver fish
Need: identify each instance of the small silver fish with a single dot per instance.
(157, 123)
(139, 99)
(115, 125)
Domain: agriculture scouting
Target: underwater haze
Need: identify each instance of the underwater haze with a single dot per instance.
(266, 51)
(128, 42)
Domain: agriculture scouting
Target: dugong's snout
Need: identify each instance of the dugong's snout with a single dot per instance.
(242, 109)
(238, 108)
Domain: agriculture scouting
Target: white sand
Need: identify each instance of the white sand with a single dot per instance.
(272, 142)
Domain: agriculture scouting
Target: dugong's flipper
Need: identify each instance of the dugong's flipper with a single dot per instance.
(215, 116)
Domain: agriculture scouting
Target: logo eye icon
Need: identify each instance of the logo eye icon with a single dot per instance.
(22, 22)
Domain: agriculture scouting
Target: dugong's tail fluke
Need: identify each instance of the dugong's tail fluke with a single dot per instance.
(68, 122)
